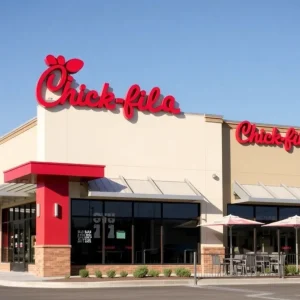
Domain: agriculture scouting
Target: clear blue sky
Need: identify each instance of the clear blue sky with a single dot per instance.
(240, 59)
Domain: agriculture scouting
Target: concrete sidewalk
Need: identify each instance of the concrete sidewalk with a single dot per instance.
(26, 280)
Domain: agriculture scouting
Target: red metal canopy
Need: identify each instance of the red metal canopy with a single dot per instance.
(26, 173)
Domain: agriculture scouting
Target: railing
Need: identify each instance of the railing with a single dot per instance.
(247, 265)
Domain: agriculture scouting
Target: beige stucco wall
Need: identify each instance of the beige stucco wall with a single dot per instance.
(251, 164)
(163, 147)
(19, 147)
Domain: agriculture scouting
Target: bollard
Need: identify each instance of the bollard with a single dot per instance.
(195, 268)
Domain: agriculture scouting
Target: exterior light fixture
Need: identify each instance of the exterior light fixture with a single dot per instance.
(38, 210)
(56, 210)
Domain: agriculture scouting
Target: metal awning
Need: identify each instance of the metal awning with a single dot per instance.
(143, 189)
(15, 192)
(266, 194)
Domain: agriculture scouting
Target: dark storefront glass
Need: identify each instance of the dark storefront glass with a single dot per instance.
(266, 214)
(125, 232)
(266, 237)
(118, 241)
(147, 242)
(243, 211)
(147, 210)
(181, 238)
(18, 233)
(286, 212)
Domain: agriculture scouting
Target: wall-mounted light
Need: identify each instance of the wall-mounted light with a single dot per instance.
(215, 176)
(38, 210)
(56, 210)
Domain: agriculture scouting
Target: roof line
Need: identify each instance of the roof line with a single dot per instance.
(19, 130)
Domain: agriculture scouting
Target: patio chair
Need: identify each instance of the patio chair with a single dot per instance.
(249, 263)
(262, 261)
(223, 266)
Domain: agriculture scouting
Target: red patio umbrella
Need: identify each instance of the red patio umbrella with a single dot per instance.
(230, 221)
(293, 222)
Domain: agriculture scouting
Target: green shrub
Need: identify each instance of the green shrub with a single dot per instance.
(123, 274)
(83, 273)
(98, 274)
(167, 272)
(140, 272)
(153, 273)
(267, 271)
(182, 272)
(290, 270)
(111, 273)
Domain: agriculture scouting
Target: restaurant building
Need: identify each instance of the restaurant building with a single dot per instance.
(108, 184)
(261, 179)
(101, 182)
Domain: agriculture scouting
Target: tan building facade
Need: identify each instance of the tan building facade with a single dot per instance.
(100, 182)
(261, 180)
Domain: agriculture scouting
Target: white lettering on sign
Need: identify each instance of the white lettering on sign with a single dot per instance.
(98, 219)
(84, 236)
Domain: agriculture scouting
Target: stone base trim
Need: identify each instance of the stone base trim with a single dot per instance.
(52, 261)
(128, 268)
(31, 269)
(210, 257)
(5, 267)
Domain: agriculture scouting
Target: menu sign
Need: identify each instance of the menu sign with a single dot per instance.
(84, 236)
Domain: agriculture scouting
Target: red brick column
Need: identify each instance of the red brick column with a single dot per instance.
(52, 250)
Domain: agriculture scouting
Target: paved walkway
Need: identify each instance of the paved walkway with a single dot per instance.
(27, 280)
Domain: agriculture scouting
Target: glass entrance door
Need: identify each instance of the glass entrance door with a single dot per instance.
(19, 247)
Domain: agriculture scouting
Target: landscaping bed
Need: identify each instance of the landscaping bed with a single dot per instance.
(141, 273)
(95, 279)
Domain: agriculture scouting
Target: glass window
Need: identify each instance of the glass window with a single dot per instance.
(11, 214)
(180, 210)
(5, 215)
(96, 207)
(118, 241)
(286, 212)
(22, 212)
(266, 213)
(119, 208)
(33, 210)
(86, 240)
(27, 211)
(243, 211)
(181, 238)
(147, 240)
(147, 210)
(17, 213)
(80, 208)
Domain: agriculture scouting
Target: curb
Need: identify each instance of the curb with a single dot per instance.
(234, 282)
(142, 283)
(83, 285)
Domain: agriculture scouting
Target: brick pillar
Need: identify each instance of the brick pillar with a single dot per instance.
(52, 250)
(207, 259)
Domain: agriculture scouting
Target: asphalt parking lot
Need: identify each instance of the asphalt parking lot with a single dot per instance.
(269, 292)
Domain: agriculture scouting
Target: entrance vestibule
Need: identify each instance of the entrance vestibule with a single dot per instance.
(18, 236)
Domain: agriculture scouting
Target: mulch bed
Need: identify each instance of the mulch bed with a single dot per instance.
(95, 279)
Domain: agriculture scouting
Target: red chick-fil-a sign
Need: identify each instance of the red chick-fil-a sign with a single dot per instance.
(135, 99)
(247, 133)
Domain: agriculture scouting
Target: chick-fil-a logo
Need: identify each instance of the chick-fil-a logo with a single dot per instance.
(247, 133)
(135, 98)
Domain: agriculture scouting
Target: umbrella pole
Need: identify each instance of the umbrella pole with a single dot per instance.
(278, 245)
(296, 228)
(231, 257)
